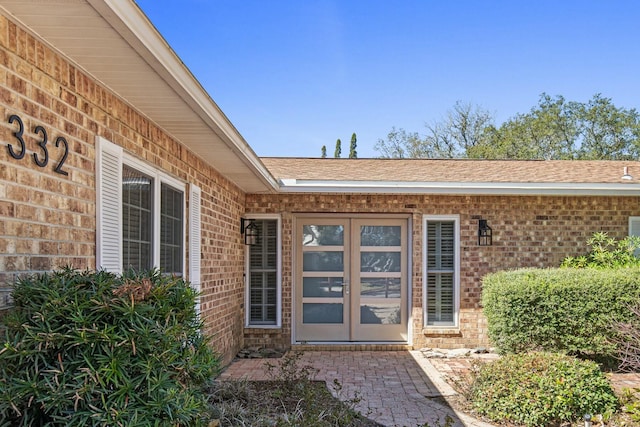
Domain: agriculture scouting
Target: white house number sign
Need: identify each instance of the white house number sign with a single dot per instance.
(41, 153)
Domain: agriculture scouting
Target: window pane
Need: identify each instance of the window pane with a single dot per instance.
(171, 230)
(263, 298)
(384, 314)
(440, 273)
(440, 299)
(440, 245)
(264, 253)
(263, 274)
(322, 235)
(327, 287)
(380, 287)
(137, 220)
(323, 261)
(380, 261)
(375, 235)
(322, 313)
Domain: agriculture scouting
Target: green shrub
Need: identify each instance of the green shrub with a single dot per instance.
(92, 348)
(564, 310)
(541, 389)
(607, 252)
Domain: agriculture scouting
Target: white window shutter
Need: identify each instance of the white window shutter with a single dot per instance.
(194, 239)
(108, 206)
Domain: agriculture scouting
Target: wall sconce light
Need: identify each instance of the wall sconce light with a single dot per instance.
(249, 228)
(484, 233)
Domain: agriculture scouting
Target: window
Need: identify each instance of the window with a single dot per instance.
(141, 216)
(263, 275)
(634, 229)
(441, 271)
(634, 226)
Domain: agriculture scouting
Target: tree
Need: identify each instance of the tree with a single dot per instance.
(553, 129)
(548, 131)
(462, 129)
(338, 151)
(401, 144)
(608, 132)
(324, 152)
(353, 154)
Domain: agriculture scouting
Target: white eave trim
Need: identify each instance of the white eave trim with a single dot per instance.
(146, 34)
(488, 188)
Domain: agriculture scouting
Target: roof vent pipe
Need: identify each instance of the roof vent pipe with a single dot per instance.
(626, 175)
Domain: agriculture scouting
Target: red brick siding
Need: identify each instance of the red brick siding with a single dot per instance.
(48, 220)
(528, 231)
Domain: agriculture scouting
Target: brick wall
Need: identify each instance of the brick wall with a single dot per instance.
(48, 220)
(528, 231)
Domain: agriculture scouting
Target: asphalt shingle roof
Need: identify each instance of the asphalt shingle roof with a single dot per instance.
(458, 170)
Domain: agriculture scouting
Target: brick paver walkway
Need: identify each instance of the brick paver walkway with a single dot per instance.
(398, 388)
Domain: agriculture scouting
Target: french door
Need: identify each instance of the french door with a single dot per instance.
(351, 279)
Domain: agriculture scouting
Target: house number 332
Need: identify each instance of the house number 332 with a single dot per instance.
(41, 155)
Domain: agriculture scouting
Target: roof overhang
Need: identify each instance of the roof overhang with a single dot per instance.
(114, 42)
(458, 188)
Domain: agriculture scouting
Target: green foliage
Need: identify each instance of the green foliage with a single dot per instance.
(607, 252)
(93, 348)
(553, 129)
(353, 154)
(630, 400)
(462, 129)
(323, 152)
(541, 389)
(338, 150)
(565, 310)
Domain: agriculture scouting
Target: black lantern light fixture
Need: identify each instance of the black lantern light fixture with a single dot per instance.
(249, 228)
(484, 233)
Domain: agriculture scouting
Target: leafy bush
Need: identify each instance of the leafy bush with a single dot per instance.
(92, 348)
(541, 389)
(607, 252)
(564, 310)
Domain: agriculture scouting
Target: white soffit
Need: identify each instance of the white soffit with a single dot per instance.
(467, 188)
(114, 42)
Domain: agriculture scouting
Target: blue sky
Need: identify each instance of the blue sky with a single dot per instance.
(295, 75)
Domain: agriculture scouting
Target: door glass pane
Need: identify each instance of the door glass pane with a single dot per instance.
(322, 235)
(171, 230)
(380, 262)
(137, 219)
(328, 287)
(385, 314)
(323, 261)
(322, 313)
(380, 288)
(376, 235)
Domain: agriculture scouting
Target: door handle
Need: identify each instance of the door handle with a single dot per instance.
(345, 284)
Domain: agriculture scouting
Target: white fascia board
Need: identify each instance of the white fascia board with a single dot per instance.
(146, 34)
(486, 188)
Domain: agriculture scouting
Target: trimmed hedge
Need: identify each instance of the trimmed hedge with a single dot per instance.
(541, 389)
(565, 310)
(92, 348)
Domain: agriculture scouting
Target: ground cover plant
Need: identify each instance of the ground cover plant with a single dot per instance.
(93, 348)
(540, 389)
(290, 397)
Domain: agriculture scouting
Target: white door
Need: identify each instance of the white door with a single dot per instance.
(351, 279)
